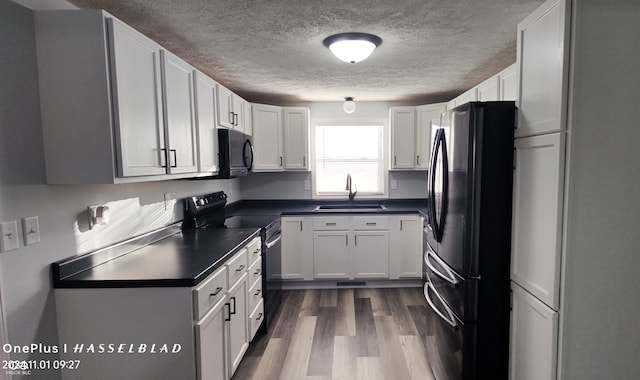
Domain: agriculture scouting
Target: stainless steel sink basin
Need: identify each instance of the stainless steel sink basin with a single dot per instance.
(362, 207)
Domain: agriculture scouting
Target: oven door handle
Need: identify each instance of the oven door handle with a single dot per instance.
(274, 241)
(451, 321)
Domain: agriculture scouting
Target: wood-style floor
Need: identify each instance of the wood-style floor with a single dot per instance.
(332, 334)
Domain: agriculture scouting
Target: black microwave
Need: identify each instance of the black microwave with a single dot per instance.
(235, 153)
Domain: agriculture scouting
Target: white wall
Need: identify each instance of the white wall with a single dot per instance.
(136, 208)
(290, 185)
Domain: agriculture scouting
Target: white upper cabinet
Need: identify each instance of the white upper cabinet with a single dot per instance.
(179, 111)
(232, 110)
(428, 120)
(489, 90)
(296, 138)
(467, 96)
(509, 83)
(543, 67)
(267, 138)
(206, 124)
(137, 99)
(403, 134)
(129, 104)
(537, 215)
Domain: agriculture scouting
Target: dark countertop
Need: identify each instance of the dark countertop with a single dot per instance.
(182, 259)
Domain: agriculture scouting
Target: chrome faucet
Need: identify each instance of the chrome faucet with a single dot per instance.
(352, 194)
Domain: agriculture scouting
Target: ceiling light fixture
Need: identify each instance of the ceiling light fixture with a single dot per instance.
(349, 105)
(352, 47)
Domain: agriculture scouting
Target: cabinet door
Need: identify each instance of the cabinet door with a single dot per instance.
(543, 63)
(509, 83)
(237, 110)
(179, 114)
(207, 134)
(267, 138)
(247, 119)
(224, 103)
(296, 138)
(466, 97)
(537, 215)
(489, 90)
(211, 343)
(238, 324)
(331, 254)
(137, 101)
(403, 126)
(405, 246)
(428, 120)
(297, 248)
(534, 338)
(371, 254)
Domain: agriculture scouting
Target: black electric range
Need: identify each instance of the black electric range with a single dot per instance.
(209, 211)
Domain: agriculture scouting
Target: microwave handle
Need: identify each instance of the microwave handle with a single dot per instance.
(247, 152)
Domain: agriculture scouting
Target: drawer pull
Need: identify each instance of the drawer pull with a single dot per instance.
(240, 268)
(259, 317)
(257, 271)
(371, 223)
(257, 251)
(257, 292)
(329, 224)
(218, 290)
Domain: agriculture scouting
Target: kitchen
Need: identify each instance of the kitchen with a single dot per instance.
(605, 88)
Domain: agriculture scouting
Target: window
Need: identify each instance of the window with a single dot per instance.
(355, 148)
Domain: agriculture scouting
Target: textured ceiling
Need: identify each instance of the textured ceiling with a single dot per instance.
(271, 50)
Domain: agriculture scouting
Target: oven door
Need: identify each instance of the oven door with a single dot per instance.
(458, 293)
(452, 343)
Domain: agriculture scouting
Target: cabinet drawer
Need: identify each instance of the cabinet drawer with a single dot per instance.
(255, 294)
(330, 223)
(255, 271)
(254, 250)
(255, 319)
(236, 267)
(209, 292)
(370, 222)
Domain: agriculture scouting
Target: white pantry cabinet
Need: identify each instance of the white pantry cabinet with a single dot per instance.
(267, 138)
(297, 248)
(405, 246)
(206, 124)
(115, 126)
(543, 59)
(534, 337)
(537, 214)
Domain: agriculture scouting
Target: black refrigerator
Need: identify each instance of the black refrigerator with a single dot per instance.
(468, 242)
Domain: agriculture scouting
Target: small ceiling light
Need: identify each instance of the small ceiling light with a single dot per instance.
(352, 47)
(349, 105)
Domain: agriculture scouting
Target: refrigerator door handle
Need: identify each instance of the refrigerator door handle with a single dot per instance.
(451, 320)
(449, 276)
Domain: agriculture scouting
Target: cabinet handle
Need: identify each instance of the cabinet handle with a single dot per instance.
(231, 117)
(280, 160)
(175, 158)
(395, 160)
(418, 160)
(257, 292)
(257, 271)
(259, 317)
(301, 225)
(163, 158)
(326, 224)
(228, 305)
(304, 161)
(234, 307)
(240, 268)
(356, 239)
(346, 239)
(400, 225)
(371, 223)
(218, 290)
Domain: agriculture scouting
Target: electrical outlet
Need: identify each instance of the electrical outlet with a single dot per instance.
(394, 184)
(30, 230)
(9, 240)
(168, 198)
(307, 184)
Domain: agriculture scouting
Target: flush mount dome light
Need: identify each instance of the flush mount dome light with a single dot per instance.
(352, 47)
(349, 106)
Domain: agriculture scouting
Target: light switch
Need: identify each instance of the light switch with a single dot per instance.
(9, 240)
(31, 230)
(394, 184)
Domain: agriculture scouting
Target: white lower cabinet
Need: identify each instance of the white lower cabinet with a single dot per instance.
(405, 246)
(331, 254)
(238, 323)
(534, 338)
(370, 254)
(211, 339)
(297, 248)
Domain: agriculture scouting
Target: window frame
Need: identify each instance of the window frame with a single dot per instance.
(343, 195)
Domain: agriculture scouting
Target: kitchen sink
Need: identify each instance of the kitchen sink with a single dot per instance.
(362, 207)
